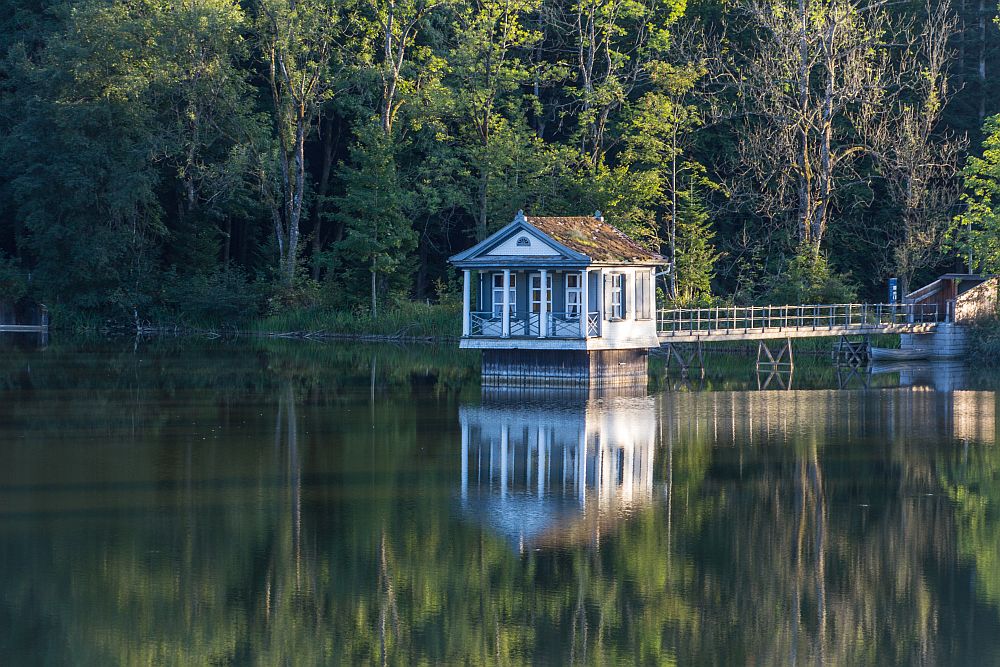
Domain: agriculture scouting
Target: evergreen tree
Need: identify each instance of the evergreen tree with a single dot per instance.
(379, 238)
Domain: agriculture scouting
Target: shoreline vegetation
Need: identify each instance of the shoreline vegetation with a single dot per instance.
(407, 322)
(984, 341)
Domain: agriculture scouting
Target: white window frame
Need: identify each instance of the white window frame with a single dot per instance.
(617, 296)
(574, 296)
(535, 295)
(498, 295)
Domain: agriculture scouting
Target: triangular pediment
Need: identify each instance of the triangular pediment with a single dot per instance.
(519, 241)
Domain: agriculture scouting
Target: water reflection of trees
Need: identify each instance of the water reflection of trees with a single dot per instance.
(314, 525)
(835, 521)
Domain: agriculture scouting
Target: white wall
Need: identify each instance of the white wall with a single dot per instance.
(628, 332)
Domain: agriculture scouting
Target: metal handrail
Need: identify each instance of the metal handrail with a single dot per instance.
(748, 319)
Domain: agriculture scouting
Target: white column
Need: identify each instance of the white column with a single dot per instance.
(541, 460)
(504, 442)
(601, 297)
(466, 302)
(505, 317)
(465, 456)
(543, 308)
(585, 303)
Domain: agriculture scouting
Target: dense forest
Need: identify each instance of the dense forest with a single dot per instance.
(219, 160)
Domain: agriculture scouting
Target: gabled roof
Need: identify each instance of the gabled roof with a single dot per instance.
(581, 240)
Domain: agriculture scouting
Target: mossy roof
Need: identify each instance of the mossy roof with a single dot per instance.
(593, 237)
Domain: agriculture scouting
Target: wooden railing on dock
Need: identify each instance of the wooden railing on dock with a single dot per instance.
(724, 321)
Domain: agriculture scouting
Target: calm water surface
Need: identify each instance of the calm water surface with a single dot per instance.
(251, 503)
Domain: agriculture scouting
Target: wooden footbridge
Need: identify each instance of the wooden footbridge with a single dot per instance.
(738, 323)
(682, 331)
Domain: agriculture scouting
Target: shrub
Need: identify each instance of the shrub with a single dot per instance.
(809, 279)
(12, 283)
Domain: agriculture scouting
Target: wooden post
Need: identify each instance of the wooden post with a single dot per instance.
(466, 302)
(543, 304)
(505, 316)
(584, 304)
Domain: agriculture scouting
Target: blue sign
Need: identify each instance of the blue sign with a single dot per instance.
(893, 290)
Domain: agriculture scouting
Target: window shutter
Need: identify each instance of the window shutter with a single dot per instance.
(642, 294)
(626, 301)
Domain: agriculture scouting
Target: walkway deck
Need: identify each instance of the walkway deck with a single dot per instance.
(23, 328)
(808, 321)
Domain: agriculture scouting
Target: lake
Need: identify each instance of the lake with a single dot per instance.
(277, 503)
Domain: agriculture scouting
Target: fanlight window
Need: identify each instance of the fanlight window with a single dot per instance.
(523, 242)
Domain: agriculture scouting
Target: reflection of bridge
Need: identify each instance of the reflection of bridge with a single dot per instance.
(775, 322)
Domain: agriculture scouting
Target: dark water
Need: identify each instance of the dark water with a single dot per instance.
(246, 503)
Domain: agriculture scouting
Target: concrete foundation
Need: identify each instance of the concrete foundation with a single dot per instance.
(565, 368)
(947, 341)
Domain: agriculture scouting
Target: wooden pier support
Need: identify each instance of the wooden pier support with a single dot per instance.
(853, 375)
(686, 356)
(775, 367)
(767, 360)
(779, 379)
(852, 352)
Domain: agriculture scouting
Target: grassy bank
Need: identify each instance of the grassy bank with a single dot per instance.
(406, 321)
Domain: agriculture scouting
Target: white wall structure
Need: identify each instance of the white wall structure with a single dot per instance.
(600, 291)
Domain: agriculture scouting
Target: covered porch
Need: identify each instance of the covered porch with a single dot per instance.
(511, 303)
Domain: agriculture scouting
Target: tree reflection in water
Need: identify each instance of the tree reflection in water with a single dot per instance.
(220, 507)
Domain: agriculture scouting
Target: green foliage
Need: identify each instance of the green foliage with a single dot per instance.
(12, 283)
(984, 341)
(146, 143)
(408, 319)
(222, 296)
(977, 230)
(696, 254)
(809, 278)
(378, 235)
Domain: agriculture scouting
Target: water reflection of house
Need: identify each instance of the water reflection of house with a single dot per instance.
(556, 469)
(975, 416)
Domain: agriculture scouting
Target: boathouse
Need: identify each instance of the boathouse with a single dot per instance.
(560, 300)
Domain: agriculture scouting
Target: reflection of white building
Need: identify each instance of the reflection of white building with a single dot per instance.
(548, 472)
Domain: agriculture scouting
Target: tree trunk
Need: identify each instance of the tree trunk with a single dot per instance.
(228, 243)
(805, 175)
(981, 69)
(483, 192)
(321, 192)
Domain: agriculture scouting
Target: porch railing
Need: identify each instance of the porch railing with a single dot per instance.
(594, 323)
(559, 324)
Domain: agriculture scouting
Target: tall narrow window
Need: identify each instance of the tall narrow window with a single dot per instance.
(617, 296)
(498, 295)
(574, 295)
(536, 292)
(643, 296)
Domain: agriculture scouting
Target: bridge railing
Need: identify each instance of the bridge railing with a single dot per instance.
(817, 317)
